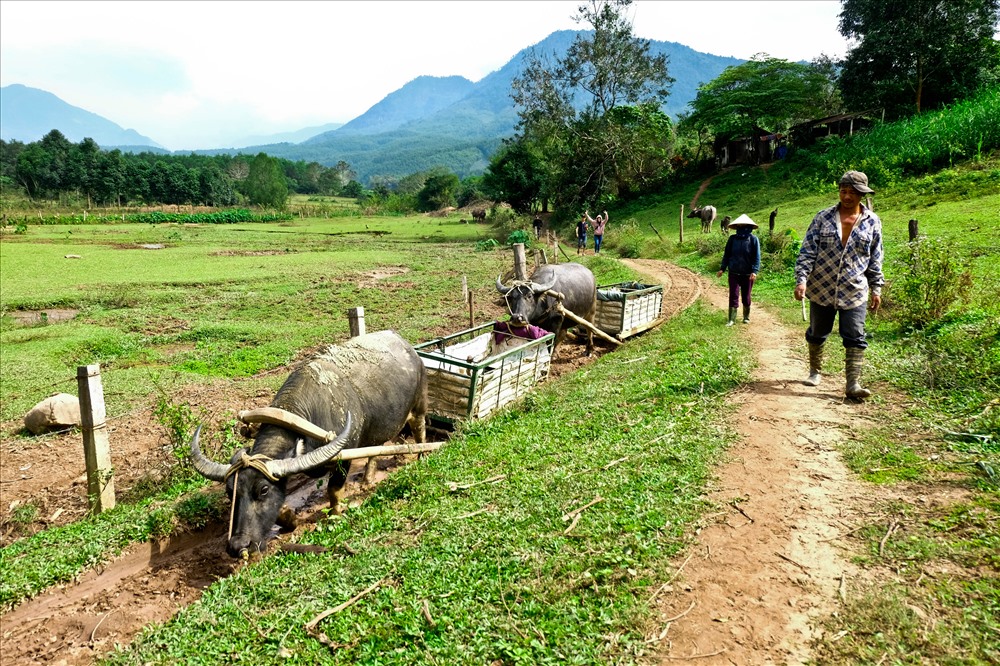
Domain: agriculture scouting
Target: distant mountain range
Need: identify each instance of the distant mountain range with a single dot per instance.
(429, 122)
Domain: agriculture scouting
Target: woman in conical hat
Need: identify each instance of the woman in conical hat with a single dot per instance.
(742, 259)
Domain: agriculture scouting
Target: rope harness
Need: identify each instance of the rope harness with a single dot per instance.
(257, 462)
(518, 285)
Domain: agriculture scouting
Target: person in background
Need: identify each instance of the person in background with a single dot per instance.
(537, 224)
(581, 233)
(598, 226)
(742, 259)
(839, 269)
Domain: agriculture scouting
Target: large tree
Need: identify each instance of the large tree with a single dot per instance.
(567, 108)
(764, 92)
(918, 54)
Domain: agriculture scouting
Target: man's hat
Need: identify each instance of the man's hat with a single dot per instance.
(857, 180)
(743, 221)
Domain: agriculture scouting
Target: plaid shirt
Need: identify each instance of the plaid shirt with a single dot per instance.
(837, 275)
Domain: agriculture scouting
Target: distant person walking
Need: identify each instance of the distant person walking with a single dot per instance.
(581, 233)
(742, 259)
(598, 226)
(537, 224)
(839, 269)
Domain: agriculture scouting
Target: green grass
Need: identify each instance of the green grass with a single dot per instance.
(502, 578)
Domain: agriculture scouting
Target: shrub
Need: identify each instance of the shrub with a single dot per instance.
(933, 277)
(518, 236)
(779, 251)
(627, 239)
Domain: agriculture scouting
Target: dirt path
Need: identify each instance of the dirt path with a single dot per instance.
(767, 565)
(763, 568)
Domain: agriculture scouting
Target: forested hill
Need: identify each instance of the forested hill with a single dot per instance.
(406, 132)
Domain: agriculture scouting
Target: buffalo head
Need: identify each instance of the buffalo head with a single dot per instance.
(527, 301)
(256, 483)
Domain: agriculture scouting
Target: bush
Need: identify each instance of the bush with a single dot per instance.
(626, 239)
(933, 278)
(779, 251)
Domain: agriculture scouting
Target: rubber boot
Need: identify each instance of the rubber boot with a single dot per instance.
(746, 314)
(732, 316)
(854, 360)
(815, 364)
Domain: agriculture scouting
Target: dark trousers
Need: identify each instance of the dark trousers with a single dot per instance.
(852, 324)
(739, 285)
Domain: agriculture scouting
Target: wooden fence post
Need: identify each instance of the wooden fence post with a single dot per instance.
(356, 318)
(96, 450)
(681, 225)
(465, 289)
(914, 230)
(472, 315)
(520, 262)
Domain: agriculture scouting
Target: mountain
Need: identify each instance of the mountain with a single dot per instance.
(28, 114)
(456, 124)
(430, 122)
(297, 136)
(421, 97)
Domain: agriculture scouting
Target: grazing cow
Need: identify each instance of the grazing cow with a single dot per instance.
(479, 215)
(724, 224)
(706, 215)
(365, 389)
(533, 302)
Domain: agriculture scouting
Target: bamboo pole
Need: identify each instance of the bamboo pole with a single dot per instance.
(586, 324)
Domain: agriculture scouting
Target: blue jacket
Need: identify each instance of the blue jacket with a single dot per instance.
(742, 255)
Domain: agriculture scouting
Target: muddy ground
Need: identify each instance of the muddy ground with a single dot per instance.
(766, 565)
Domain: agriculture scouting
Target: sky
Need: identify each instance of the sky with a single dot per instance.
(199, 74)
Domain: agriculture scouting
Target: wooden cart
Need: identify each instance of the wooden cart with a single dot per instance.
(464, 383)
(627, 308)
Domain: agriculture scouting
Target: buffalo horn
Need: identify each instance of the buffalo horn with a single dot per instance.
(285, 419)
(541, 288)
(289, 466)
(207, 468)
(502, 289)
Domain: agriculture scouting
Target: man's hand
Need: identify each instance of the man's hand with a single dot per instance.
(719, 274)
(800, 292)
(876, 302)
(753, 278)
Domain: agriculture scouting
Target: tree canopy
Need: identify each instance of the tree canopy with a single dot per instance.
(764, 92)
(572, 118)
(918, 54)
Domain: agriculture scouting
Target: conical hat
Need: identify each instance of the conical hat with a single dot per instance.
(743, 220)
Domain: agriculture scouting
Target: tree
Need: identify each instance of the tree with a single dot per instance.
(918, 54)
(438, 191)
(567, 109)
(265, 184)
(517, 175)
(763, 92)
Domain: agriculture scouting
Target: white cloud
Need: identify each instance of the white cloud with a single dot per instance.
(184, 73)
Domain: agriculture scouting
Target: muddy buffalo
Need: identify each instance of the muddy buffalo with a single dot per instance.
(357, 394)
(535, 300)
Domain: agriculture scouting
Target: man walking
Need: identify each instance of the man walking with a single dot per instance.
(838, 269)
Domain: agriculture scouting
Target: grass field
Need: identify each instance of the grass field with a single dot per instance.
(232, 301)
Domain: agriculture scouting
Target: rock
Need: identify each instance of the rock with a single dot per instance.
(58, 411)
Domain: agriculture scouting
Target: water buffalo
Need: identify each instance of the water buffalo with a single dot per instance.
(706, 215)
(533, 302)
(479, 215)
(365, 389)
